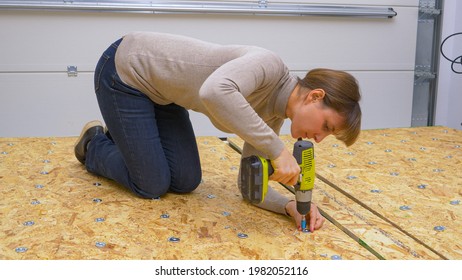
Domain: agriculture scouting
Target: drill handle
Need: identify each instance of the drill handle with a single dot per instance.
(304, 154)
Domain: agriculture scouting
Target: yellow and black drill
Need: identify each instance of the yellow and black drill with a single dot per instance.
(255, 172)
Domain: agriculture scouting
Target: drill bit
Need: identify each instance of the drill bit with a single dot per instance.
(303, 223)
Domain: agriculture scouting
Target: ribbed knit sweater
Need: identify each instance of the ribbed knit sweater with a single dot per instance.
(242, 89)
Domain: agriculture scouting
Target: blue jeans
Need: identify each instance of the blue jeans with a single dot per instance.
(151, 149)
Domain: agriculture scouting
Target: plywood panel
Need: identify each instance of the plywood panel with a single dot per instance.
(51, 208)
(378, 236)
(409, 177)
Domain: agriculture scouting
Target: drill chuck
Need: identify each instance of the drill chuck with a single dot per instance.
(303, 199)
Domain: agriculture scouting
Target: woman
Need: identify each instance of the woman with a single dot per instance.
(146, 82)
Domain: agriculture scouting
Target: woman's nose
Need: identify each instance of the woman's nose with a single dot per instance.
(319, 137)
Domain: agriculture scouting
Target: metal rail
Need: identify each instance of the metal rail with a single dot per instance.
(261, 7)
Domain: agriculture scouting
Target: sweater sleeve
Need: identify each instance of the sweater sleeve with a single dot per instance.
(228, 92)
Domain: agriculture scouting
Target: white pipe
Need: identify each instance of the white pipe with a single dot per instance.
(259, 8)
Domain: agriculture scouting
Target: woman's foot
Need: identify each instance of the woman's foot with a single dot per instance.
(89, 131)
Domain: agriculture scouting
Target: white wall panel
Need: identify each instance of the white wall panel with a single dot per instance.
(48, 41)
(37, 98)
(45, 104)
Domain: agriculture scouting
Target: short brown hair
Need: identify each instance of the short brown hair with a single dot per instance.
(342, 95)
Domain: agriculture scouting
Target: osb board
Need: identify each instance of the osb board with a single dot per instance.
(380, 237)
(408, 176)
(67, 220)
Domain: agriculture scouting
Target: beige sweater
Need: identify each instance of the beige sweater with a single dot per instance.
(242, 89)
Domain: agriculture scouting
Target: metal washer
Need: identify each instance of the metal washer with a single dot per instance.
(173, 239)
(100, 244)
(242, 235)
(21, 250)
(439, 228)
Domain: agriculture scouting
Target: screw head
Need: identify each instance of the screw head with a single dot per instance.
(35, 202)
(351, 177)
(97, 200)
(394, 173)
(29, 223)
(226, 214)
(165, 216)
(97, 184)
(38, 186)
(422, 186)
(405, 208)
(173, 239)
(331, 165)
(242, 235)
(376, 191)
(388, 151)
(100, 220)
(211, 196)
(335, 257)
(43, 172)
(100, 244)
(455, 202)
(21, 250)
(439, 228)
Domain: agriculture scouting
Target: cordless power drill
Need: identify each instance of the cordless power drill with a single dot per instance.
(256, 170)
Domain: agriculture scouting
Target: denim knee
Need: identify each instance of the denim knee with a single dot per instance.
(188, 183)
(151, 190)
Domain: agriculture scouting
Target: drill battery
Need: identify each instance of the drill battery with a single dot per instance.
(255, 172)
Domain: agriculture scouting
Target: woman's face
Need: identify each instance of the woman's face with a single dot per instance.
(315, 121)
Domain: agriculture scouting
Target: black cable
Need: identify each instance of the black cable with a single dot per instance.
(457, 60)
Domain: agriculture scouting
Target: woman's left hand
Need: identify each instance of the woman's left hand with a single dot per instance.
(316, 220)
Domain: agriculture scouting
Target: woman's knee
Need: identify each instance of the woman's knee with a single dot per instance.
(187, 184)
(152, 189)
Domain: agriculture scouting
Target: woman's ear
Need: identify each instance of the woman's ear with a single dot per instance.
(315, 95)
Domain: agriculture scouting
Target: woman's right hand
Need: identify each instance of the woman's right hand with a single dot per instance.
(286, 168)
